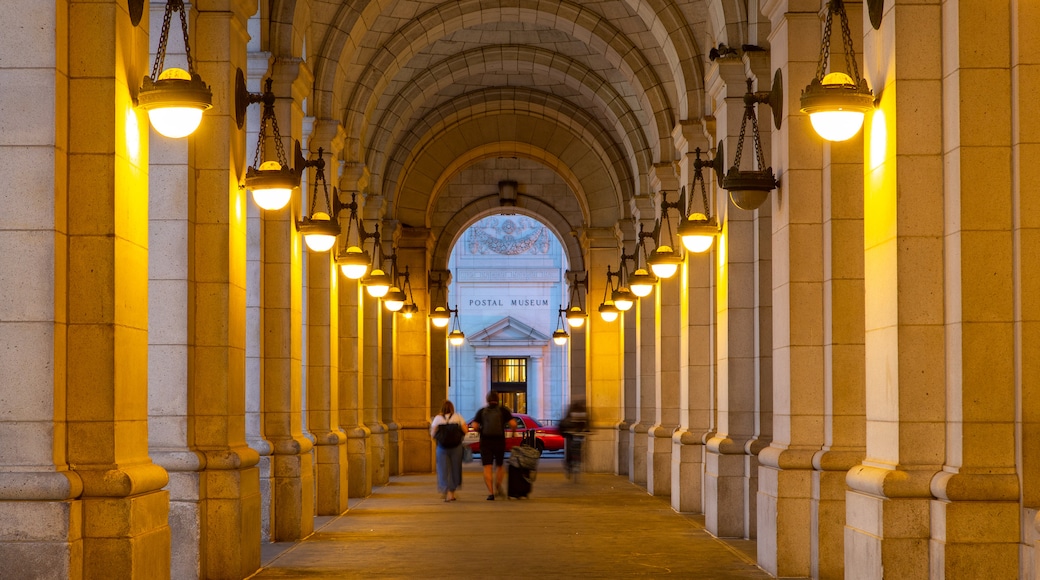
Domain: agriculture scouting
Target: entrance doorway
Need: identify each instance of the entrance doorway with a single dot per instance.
(509, 380)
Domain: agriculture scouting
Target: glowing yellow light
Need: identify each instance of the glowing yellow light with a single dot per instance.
(319, 241)
(133, 136)
(271, 198)
(575, 317)
(838, 122)
(168, 118)
(878, 139)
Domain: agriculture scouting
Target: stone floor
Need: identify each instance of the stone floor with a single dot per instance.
(601, 527)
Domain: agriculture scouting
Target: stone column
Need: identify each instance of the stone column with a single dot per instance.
(257, 71)
(844, 373)
(171, 318)
(577, 345)
(641, 332)
(100, 332)
(535, 372)
(292, 472)
(725, 496)
(975, 513)
(888, 505)
(351, 327)
(696, 354)
(785, 473)
(603, 361)
(1025, 67)
(411, 357)
(371, 370)
(41, 515)
(666, 324)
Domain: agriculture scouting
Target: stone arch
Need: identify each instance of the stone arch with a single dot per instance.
(625, 122)
(285, 35)
(447, 237)
(492, 116)
(583, 24)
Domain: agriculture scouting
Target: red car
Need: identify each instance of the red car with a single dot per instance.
(547, 438)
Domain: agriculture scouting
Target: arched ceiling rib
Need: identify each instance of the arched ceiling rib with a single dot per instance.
(469, 69)
(589, 88)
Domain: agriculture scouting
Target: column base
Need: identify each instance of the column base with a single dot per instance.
(724, 498)
(783, 504)
(41, 539)
(974, 539)
(624, 448)
(638, 460)
(127, 537)
(380, 454)
(600, 450)
(231, 533)
(330, 473)
(359, 462)
(292, 492)
(416, 449)
(659, 460)
(687, 473)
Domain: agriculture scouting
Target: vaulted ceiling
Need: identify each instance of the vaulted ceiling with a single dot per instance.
(592, 90)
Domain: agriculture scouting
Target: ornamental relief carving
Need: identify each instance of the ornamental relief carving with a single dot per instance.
(508, 236)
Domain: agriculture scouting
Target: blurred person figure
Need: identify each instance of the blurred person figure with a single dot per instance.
(574, 427)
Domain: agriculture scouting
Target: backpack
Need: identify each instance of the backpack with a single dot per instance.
(448, 435)
(491, 422)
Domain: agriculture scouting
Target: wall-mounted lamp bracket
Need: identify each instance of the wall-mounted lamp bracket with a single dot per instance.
(875, 8)
(774, 97)
(136, 9)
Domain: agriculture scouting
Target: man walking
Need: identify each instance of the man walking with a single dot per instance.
(491, 422)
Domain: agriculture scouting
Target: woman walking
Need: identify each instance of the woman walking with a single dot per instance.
(448, 429)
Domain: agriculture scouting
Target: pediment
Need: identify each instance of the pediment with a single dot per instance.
(508, 332)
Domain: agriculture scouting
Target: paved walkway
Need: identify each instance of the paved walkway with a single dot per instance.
(602, 527)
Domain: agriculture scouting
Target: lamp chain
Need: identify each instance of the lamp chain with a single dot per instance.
(698, 175)
(749, 113)
(160, 53)
(268, 114)
(825, 46)
(850, 51)
(319, 175)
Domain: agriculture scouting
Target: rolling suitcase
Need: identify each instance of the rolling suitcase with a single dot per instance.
(519, 482)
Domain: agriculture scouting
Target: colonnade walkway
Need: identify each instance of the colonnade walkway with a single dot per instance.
(603, 526)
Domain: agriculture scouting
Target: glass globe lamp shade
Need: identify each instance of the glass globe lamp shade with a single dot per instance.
(575, 317)
(175, 102)
(836, 105)
(319, 232)
(354, 263)
(560, 337)
(664, 262)
(608, 312)
(394, 299)
(641, 283)
(623, 299)
(440, 317)
(377, 284)
(697, 233)
(271, 185)
(456, 337)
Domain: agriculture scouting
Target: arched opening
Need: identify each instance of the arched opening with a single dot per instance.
(509, 282)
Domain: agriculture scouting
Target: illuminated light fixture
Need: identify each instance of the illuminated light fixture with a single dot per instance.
(560, 335)
(623, 299)
(664, 260)
(575, 309)
(378, 282)
(749, 188)
(837, 102)
(698, 230)
(440, 316)
(321, 228)
(409, 310)
(456, 336)
(641, 282)
(400, 296)
(354, 261)
(174, 98)
(271, 181)
(608, 311)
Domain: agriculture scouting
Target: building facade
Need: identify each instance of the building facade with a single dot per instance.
(849, 375)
